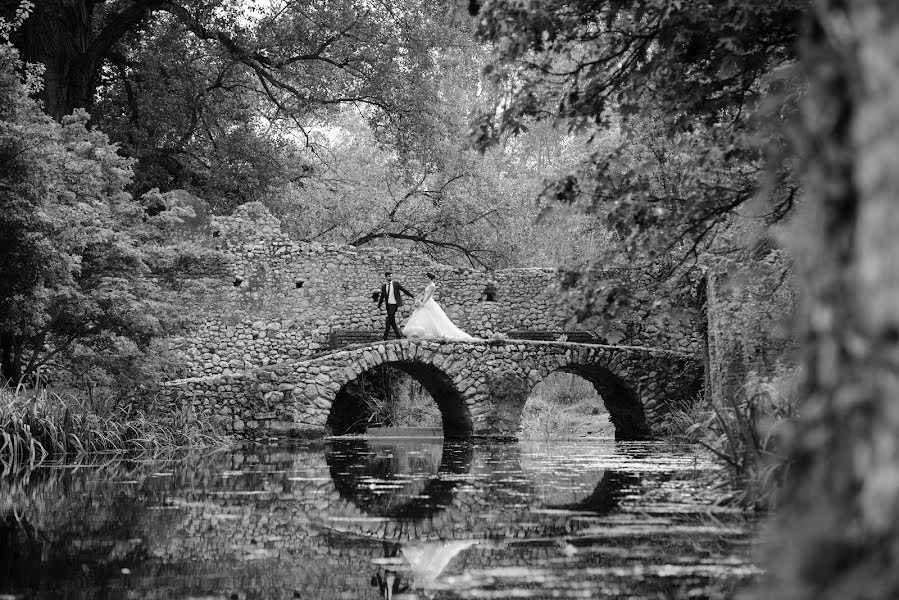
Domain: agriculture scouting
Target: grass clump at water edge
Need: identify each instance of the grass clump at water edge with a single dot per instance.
(747, 432)
(36, 424)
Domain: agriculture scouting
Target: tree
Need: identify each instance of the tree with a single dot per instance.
(76, 251)
(446, 199)
(191, 121)
(362, 194)
(210, 95)
(840, 526)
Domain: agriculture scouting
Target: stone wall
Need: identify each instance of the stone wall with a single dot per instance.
(267, 298)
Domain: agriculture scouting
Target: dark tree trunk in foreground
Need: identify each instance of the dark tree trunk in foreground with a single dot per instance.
(58, 35)
(65, 37)
(841, 520)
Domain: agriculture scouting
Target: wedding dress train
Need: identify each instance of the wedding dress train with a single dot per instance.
(429, 321)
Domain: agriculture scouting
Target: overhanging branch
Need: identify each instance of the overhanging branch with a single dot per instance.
(469, 253)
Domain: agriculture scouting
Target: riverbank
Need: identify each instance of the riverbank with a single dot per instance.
(36, 424)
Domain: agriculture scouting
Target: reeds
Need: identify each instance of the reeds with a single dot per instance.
(38, 424)
(408, 405)
(747, 432)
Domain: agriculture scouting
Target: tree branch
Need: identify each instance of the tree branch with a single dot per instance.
(119, 24)
(470, 254)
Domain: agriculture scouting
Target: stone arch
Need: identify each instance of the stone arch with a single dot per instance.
(625, 408)
(606, 496)
(456, 417)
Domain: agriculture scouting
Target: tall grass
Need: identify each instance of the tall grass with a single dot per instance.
(414, 407)
(748, 433)
(38, 424)
(407, 404)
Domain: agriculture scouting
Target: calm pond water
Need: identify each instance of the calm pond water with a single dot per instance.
(367, 519)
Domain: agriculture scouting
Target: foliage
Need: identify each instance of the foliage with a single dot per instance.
(216, 96)
(451, 202)
(16, 19)
(36, 425)
(407, 404)
(683, 102)
(188, 118)
(77, 251)
(383, 397)
(543, 419)
(343, 118)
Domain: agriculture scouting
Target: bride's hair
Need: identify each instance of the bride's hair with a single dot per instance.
(430, 275)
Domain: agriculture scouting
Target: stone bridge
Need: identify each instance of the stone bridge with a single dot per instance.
(480, 387)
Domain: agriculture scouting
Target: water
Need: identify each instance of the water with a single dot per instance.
(385, 518)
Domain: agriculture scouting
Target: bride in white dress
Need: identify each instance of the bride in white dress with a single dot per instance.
(429, 320)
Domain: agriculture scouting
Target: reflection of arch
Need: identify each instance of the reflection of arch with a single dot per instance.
(353, 462)
(456, 416)
(625, 408)
(606, 496)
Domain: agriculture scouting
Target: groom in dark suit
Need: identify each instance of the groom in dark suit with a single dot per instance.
(391, 293)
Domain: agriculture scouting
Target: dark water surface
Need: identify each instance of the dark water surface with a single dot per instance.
(385, 518)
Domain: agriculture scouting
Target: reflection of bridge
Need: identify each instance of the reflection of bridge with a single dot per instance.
(376, 497)
(382, 491)
(399, 485)
(276, 523)
(480, 387)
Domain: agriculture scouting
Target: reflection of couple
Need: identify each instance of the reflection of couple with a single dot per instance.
(426, 321)
(423, 561)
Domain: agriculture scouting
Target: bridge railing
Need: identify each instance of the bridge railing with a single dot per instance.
(347, 337)
(576, 336)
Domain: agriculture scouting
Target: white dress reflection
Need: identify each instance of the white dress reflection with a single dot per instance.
(427, 560)
(416, 565)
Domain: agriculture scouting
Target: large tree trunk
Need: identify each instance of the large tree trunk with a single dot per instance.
(841, 519)
(58, 34)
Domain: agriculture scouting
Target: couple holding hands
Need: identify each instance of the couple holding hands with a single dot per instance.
(426, 321)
